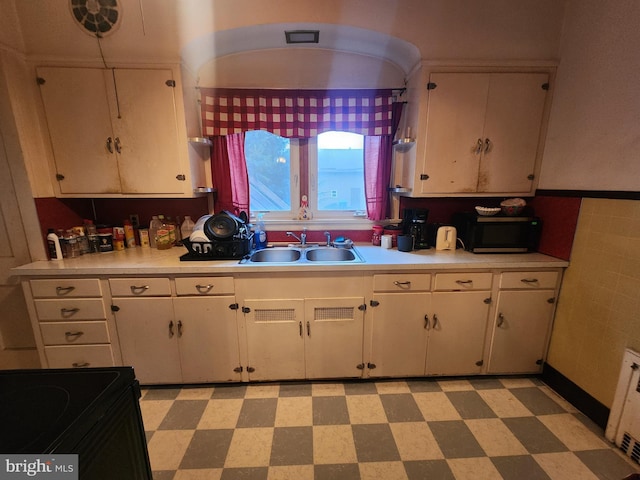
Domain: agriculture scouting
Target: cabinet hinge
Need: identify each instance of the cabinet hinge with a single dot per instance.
(424, 176)
(431, 86)
(531, 176)
(115, 308)
(551, 300)
(539, 361)
(371, 366)
(360, 366)
(251, 369)
(238, 369)
(170, 83)
(40, 81)
(545, 86)
(59, 176)
(374, 303)
(479, 363)
(487, 300)
(362, 307)
(234, 306)
(246, 310)
(181, 177)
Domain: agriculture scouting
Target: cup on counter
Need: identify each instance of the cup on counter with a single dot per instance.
(405, 243)
(386, 241)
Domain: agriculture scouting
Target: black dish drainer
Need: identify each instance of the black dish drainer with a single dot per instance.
(229, 249)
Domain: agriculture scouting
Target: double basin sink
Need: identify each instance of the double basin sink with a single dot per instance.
(303, 255)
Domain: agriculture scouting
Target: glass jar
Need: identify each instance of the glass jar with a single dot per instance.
(376, 238)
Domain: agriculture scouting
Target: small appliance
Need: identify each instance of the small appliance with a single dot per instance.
(446, 238)
(414, 223)
(498, 234)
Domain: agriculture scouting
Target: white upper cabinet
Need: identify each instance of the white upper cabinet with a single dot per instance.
(116, 132)
(482, 134)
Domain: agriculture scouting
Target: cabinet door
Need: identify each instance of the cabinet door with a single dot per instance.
(78, 118)
(521, 331)
(148, 338)
(208, 339)
(512, 127)
(275, 339)
(457, 333)
(399, 334)
(455, 119)
(334, 334)
(144, 122)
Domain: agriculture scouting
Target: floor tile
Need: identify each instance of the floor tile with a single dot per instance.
(382, 470)
(327, 389)
(294, 412)
(423, 385)
(161, 394)
(401, 408)
(564, 466)
(607, 464)
(262, 391)
(333, 444)
(295, 390)
(229, 391)
(291, 472)
(517, 382)
(558, 399)
(221, 414)
(292, 446)
(573, 433)
(470, 405)
(455, 439)
(435, 406)
(153, 412)
(365, 409)
(207, 449)
(415, 441)
(504, 404)
(428, 469)
(360, 388)
(534, 436)
(183, 415)
(348, 471)
(482, 383)
(536, 401)
(375, 443)
(164, 475)
(250, 447)
(474, 469)
(495, 438)
(198, 474)
(392, 386)
(455, 384)
(167, 447)
(255, 473)
(330, 411)
(258, 412)
(519, 468)
(196, 393)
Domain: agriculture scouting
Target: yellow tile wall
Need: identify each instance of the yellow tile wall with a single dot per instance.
(598, 313)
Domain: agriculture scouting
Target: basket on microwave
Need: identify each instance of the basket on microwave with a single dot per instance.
(230, 249)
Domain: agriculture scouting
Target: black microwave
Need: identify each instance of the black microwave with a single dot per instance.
(497, 234)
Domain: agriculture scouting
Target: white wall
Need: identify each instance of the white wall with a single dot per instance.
(593, 142)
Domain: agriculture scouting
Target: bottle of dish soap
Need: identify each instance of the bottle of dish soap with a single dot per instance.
(260, 234)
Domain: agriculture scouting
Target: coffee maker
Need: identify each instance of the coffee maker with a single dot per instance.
(414, 223)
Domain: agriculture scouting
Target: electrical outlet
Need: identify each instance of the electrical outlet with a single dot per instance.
(135, 220)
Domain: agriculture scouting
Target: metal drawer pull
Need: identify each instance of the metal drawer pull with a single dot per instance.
(80, 365)
(204, 288)
(403, 284)
(110, 144)
(487, 145)
(500, 320)
(529, 280)
(179, 328)
(171, 329)
(435, 321)
(300, 327)
(64, 290)
(73, 334)
(69, 311)
(464, 282)
(139, 289)
(426, 322)
(479, 146)
(308, 329)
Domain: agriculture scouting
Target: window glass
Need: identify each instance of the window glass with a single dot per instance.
(340, 172)
(269, 167)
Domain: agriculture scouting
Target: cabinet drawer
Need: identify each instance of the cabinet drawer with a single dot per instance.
(408, 282)
(529, 280)
(204, 286)
(78, 356)
(70, 310)
(140, 287)
(61, 288)
(74, 333)
(463, 281)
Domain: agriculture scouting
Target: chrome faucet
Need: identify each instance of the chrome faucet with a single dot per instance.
(328, 235)
(302, 238)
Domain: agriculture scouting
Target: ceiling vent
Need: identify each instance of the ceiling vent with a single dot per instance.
(302, 36)
(98, 18)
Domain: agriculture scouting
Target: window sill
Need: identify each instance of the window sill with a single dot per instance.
(325, 224)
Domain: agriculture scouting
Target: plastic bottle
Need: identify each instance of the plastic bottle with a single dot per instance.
(53, 242)
(154, 226)
(129, 235)
(260, 233)
(186, 229)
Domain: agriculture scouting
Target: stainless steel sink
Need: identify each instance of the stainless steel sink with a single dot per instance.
(303, 255)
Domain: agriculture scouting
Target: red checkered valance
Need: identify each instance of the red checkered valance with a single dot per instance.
(296, 113)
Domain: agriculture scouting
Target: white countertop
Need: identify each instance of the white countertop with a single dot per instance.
(146, 261)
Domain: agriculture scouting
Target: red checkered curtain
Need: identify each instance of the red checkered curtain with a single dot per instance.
(296, 113)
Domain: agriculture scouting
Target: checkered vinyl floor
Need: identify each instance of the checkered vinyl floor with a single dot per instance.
(440, 429)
